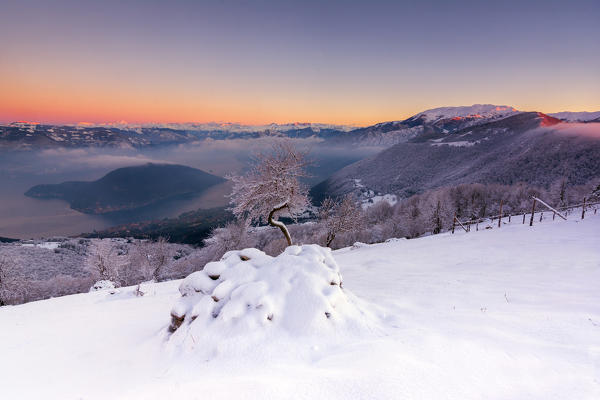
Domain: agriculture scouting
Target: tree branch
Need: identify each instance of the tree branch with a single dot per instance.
(280, 224)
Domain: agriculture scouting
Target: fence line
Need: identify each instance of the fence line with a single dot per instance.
(585, 206)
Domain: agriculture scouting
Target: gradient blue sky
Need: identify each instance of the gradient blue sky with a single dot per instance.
(281, 61)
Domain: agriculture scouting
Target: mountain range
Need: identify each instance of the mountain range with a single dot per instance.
(29, 135)
(32, 136)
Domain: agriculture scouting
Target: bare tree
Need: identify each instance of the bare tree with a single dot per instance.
(340, 217)
(272, 188)
(595, 192)
(436, 218)
(558, 192)
(103, 260)
(233, 236)
(151, 257)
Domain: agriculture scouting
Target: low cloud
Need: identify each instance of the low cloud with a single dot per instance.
(92, 158)
(589, 130)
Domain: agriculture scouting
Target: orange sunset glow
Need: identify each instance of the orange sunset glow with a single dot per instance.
(102, 66)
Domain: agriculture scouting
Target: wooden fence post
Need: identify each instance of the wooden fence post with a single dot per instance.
(500, 215)
(583, 209)
(524, 217)
(541, 216)
(532, 213)
(553, 216)
(453, 223)
(509, 215)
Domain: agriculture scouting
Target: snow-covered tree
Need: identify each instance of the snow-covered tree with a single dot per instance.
(272, 188)
(340, 217)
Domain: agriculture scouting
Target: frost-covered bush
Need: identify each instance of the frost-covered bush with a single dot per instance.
(12, 286)
(247, 292)
(36, 271)
(79, 247)
(151, 258)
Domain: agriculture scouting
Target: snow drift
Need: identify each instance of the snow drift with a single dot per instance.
(248, 293)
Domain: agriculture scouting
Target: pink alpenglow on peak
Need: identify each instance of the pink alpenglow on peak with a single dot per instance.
(474, 111)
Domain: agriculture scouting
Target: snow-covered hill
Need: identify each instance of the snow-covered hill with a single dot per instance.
(510, 313)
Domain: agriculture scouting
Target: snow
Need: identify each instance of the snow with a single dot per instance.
(474, 111)
(260, 298)
(369, 198)
(458, 143)
(103, 285)
(510, 313)
(44, 245)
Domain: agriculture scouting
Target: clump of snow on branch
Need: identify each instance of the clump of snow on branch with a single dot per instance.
(248, 293)
(272, 188)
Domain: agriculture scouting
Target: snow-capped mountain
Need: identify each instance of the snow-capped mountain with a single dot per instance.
(220, 126)
(26, 135)
(582, 116)
(476, 111)
(438, 120)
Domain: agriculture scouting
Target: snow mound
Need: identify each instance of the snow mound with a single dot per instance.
(103, 285)
(250, 294)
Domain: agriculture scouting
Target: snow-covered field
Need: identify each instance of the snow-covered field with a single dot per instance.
(511, 313)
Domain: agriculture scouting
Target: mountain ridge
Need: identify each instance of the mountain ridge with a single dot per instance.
(24, 135)
(527, 147)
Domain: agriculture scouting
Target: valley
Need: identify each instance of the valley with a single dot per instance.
(71, 178)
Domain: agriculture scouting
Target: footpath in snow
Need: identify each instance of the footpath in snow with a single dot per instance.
(510, 313)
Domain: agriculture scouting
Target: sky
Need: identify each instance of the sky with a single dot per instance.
(255, 62)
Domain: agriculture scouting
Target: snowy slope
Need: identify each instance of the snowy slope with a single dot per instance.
(511, 313)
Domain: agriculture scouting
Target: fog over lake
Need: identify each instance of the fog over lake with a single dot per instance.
(25, 217)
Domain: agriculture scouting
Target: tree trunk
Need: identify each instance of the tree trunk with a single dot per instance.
(330, 238)
(280, 224)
